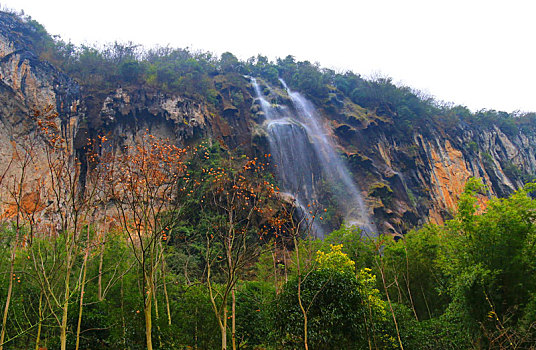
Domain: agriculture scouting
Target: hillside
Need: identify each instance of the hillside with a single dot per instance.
(170, 199)
(409, 155)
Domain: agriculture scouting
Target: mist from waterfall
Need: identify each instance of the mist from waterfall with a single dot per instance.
(303, 152)
(293, 154)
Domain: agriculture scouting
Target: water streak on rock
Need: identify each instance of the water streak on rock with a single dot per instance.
(306, 157)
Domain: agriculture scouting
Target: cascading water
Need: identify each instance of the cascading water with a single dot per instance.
(293, 153)
(346, 191)
(303, 153)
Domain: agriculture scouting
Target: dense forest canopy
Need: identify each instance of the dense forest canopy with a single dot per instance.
(197, 250)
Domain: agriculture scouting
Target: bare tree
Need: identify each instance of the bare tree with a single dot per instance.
(237, 199)
(71, 205)
(18, 206)
(145, 190)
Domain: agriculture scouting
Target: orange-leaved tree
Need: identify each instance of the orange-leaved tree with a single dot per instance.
(145, 191)
(236, 203)
(70, 205)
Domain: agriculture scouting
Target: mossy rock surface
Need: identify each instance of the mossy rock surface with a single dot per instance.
(380, 190)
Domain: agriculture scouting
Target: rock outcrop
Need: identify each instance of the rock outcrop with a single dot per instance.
(407, 180)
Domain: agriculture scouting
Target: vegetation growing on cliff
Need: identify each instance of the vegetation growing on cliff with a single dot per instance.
(191, 73)
(179, 248)
(208, 255)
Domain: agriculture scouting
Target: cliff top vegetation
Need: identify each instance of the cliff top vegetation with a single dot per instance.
(103, 67)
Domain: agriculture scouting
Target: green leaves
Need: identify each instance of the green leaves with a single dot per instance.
(335, 260)
(488, 255)
(344, 310)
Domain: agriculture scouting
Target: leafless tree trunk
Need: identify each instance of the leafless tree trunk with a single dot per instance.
(82, 289)
(40, 312)
(147, 310)
(381, 268)
(302, 308)
(25, 159)
(145, 188)
(233, 316)
(168, 309)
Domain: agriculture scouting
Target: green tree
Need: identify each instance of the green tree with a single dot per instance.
(344, 309)
(488, 256)
(229, 63)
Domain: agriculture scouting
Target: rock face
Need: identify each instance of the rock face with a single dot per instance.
(428, 172)
(28, 84)
(407, 180)
(33, 83)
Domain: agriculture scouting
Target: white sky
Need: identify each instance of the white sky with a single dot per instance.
(481, 54)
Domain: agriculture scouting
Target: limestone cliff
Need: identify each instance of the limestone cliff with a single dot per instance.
(406, 179)
(28, 84)
(428, 171)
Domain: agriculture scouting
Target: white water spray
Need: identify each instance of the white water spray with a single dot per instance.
(303, 153)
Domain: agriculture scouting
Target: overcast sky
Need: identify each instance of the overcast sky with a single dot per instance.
(481, 54)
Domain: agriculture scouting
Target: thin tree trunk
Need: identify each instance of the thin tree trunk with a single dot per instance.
(123, 315)
(426, 303)
(230, 280)
(101, 256)
(285, 262)
(372, 326)
(63, 327)
(367, 329)
(157, 315)
(168, 309)
(304, 312)
(223, 329)
(18, 200)
(156, 312)
(8, 297)
(222, 321)
(391, 306)
(99, 282)
(398, 289)
(275, 272)
(82, 288)
(38, 338)
(233, 317)
(148, 318)
(407, 284)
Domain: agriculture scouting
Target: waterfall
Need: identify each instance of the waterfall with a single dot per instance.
(305, 155)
